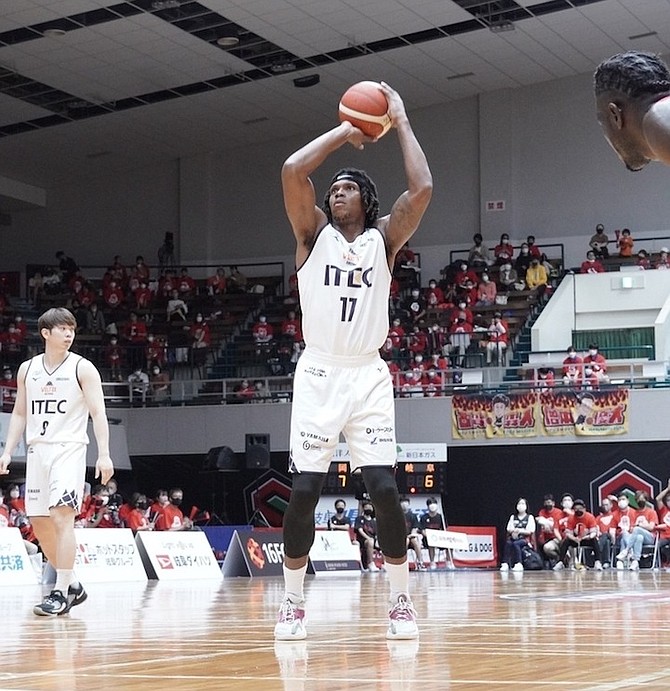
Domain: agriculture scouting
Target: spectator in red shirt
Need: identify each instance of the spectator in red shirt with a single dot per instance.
(170, 516)
(604, 521)
(418, 341)
(143, 297)
(186, 284)
(434, 296)
(136, 517)
(662, 262)
(573, 368)
(113, 357)
(135, 336)
(398, 340)
(216, 284)
(663, 528)
(503, 251)
(498, 339)
(545, 380)
(580, 529)
(8, 388)
(100, 515)
(549, 536)
(290, 328)
(595, 364)
(113, 295)
(533, 249)
(591, 265)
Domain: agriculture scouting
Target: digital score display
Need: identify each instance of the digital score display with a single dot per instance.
(411, 477)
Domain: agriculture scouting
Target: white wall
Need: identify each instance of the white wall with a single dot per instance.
(586, 302)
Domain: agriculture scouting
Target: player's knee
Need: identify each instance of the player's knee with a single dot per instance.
(381, 484)
(305, 492)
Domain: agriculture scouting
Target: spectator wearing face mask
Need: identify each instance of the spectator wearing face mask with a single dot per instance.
(201, 340)
(433, 520)
(434, 296)
(507, 278)
(604, 521)
(463, 277)
(523, 261)
(646, 520)
(138, 386)
(159, 383)
(503, 251)
(661, 263)
(536, 277)
(137, 516)
(549, 536)
(366, 534)
(625, 243)
(622, 532)
(486, 292)
(591, 265)
(100, 515)
(170, 516)
(599, 242)
(573, 368)
(415, 306)
(595, 365)
(497, 340)
(580, 529)
(520, 529)
(339, 520)
(8, 388)
(413, 535)
(113, 356)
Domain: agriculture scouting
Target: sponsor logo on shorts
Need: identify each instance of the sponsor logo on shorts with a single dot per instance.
(318, 437)
(308, 446)
(379, 430)
(316, 371)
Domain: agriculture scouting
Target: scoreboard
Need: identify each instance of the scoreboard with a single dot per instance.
(411, 477)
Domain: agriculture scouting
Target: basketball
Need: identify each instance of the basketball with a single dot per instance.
(365, 106)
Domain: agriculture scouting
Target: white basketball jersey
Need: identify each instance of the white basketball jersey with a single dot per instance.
(344, 293)
(55, 405)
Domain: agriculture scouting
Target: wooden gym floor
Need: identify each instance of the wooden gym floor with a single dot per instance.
(479, 630)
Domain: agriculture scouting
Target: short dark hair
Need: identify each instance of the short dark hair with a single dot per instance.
(368, 194)
(56, 316)
(633, 73)
(431, 500)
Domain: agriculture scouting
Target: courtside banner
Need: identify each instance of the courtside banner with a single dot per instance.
(585, 413)
(447, 539)
(107, 555)
(498, 416)
(255, 553)
(15, 565)
(482, 548)
(422, 452)
(333, 551)
(176, 555)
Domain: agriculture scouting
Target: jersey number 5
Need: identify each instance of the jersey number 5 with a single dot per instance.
(348, 307)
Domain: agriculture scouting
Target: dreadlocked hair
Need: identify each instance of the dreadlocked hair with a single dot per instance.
(368, 194)
(633, 73)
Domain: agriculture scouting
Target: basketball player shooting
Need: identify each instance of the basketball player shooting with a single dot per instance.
(344, 256)
(632, 92)
(57, 391)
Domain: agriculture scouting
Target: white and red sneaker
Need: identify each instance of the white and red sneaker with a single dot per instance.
(402, 620)
(290, 624)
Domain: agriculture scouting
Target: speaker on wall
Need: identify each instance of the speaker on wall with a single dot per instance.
(257, 451)
(221, 458)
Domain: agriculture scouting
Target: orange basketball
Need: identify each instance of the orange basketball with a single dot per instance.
(365, 106)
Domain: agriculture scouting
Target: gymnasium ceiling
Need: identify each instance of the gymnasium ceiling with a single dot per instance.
(88, 87)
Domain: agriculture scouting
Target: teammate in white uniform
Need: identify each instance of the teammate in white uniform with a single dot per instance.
(57, 391)
(344, 257)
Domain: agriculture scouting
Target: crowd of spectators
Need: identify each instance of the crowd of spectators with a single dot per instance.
(569, 536)
(599, 257)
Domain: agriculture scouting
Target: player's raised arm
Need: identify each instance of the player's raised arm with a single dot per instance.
(410, 206)
(305, 216)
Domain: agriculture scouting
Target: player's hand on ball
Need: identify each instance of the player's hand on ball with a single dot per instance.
(356, 137)
(396, 109)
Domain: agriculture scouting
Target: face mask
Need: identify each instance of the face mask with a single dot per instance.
(623, 503)
(461, 305)
(485, 278)
(572, 356)
(339, 509)
(367, 512)
(524, 250)
(432, 507)
(141, 505)
(521, 507)
(567, 503)
(14, 494)
(548, 506)
(150, 339)
(156, 371)
(176, 501)
(404, 506)
(593, 353)
(198, 319)
(464, 267)
(104, 500)
(432, 285)
(579, 511)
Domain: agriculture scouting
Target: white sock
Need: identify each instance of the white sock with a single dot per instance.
(63, 579)
(398, 575)
(293, 584)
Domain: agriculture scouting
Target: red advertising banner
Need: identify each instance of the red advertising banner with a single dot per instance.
(482, 549)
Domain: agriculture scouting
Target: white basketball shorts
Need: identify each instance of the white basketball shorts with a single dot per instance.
(55, 475)
(352, 396)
